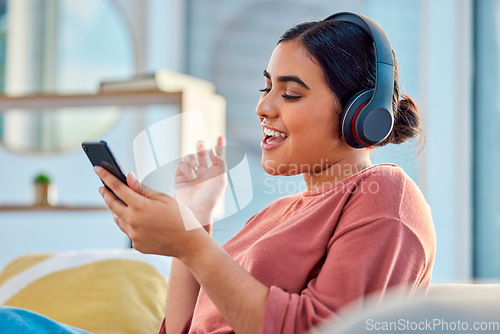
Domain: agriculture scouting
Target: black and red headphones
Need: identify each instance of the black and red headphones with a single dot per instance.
(368, 118)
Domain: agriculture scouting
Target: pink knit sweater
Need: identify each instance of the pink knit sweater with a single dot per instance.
(319, 250)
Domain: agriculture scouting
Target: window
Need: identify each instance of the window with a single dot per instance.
(65, 46)
(486, 144)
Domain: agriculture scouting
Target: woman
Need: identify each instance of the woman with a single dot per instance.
(356, 230)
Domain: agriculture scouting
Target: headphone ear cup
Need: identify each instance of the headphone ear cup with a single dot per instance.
(348, 117)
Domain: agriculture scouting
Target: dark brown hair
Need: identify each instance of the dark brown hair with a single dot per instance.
(346, 55)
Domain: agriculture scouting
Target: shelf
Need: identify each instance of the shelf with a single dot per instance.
(127, 98)
(189, 95)
(24, 208)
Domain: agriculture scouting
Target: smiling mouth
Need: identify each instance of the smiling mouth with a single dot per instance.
(272, 136)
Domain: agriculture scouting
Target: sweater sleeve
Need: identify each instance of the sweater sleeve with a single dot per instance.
(185, 329)
(162, 328)
(360, 260)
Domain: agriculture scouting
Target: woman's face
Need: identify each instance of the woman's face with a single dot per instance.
(298, 104)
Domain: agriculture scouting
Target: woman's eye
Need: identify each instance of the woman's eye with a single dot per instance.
(290, 97)
(284, 95)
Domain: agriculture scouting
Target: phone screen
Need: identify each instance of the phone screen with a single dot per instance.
(100, 154)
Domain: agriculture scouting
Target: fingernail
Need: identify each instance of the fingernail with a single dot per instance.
(97, 169)
(101, 190)
(133, 178)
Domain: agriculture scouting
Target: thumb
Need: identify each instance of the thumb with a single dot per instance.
(138, 187)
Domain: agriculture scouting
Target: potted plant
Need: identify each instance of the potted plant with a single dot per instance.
(44, 191)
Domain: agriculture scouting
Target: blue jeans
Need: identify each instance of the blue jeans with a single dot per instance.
(20, 321)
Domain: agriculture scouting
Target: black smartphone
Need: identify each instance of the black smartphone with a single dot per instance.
(100, 154)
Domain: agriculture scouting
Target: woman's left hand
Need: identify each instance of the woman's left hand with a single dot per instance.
(155, 222)
(199, 185)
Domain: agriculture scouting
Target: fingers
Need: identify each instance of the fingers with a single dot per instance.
(133, 183)
(220, 149)
(116, 207)
(120, 222)
(185, 171)
(118, 187)
(191, 159)
(201, 148)
(192, 163)
(138, 187)
(218, 163)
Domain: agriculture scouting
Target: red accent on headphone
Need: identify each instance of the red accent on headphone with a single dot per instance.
(353, 123)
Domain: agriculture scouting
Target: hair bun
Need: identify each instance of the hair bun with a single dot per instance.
(406, 122)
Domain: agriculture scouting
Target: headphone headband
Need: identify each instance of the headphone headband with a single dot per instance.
(383, 50)
(374, 120)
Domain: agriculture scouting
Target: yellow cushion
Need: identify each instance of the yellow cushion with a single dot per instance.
(99, 291)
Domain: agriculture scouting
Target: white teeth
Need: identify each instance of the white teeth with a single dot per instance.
(269, 132)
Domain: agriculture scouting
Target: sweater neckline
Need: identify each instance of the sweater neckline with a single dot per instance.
(308, 193)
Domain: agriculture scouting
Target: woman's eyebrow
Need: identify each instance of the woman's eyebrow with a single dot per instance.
(286, 78)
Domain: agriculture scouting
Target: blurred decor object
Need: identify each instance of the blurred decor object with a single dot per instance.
(56, 35)
(161, 79)
(196, 95)
(45, 192)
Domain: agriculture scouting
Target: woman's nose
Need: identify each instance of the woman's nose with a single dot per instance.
(266, 108)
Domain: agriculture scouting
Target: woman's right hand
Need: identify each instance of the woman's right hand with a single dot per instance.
(199, 186)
